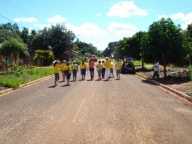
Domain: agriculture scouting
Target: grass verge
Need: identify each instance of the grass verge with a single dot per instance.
(21, 76)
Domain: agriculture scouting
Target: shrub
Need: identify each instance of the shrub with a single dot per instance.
(189, 73)
(23, 75)
(45, 55)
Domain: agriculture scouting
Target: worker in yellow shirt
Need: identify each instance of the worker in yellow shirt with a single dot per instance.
(56, 65)
(83, 68)
(107, 68)
(103, 70)
(118, 67)
(74, 67)
(62, 69)
(68, 71)
(99, 69)
(111, 69)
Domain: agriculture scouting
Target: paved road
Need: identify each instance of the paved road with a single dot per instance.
(126, 111)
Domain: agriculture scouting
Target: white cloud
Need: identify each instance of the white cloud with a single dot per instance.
(98, 14)
(56, 19)
(42, 26)
(87, 29)
(185, 19)
(126, 9)
(162, 16)
(122, 30)
(29, 19)
(177, 16)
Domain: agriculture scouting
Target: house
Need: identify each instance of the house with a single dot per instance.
(70, 55)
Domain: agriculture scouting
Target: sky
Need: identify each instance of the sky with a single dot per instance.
(97, 22)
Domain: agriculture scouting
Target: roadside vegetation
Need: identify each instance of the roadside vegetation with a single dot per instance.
(19, 75)
(139, 64)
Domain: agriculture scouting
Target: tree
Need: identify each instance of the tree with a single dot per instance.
(58, 38)
(5, 34)
(166, 43)
(85, 48)
(189, 30)
(25, 35)
(144, 45)
(13, 46)
(110, 49)
(45, 56)
(118, 51)
(13, 28)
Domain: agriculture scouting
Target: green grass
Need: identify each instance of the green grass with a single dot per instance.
(144, 70)
(22, 76)
(139, 63)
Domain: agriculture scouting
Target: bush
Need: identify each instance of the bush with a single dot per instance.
(45, 55)
(23, 75)
(189, 73)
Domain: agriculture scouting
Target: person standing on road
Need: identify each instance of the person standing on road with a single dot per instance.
(99, 68)
(103, 70)
(62, 69)
(68, 71)
(156, 70)
(83, 68)
(74, 67)
(111, 69)
(107, 68)
(91, 68)
(118, 67)
(56, 65)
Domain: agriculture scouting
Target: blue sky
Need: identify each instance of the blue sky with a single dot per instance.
(96, 21)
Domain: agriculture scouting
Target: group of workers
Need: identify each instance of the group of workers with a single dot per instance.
(103, 68)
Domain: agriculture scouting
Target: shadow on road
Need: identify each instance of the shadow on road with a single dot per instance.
(53, 86)
(148, 82)
(127, 74)
(66, 85)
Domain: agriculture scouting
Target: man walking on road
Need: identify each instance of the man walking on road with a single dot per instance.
(62, 69)
(74, 67)
(156, 70)
(56, 65)
(91, 68)
(103, 70)
(118, 67)
(107, 68)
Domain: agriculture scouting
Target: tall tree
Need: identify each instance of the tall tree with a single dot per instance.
(166, 43)
(13, 46)
(6, 34)
(58, 38)
(119, 50)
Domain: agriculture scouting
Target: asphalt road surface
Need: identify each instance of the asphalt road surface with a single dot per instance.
(126, 111)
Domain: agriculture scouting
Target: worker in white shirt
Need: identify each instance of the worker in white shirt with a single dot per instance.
(156, 70)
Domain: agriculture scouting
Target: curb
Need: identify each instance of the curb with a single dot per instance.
(168, 88)
(24, 85)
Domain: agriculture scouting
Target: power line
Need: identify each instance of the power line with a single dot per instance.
(11, 21)
(17, 7)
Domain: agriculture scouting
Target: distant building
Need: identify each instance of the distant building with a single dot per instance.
(70, 55)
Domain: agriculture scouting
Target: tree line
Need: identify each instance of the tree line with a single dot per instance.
(164, 41)
(56, 39)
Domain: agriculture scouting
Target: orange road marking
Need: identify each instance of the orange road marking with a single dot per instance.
(91, 83)
(74, 120)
